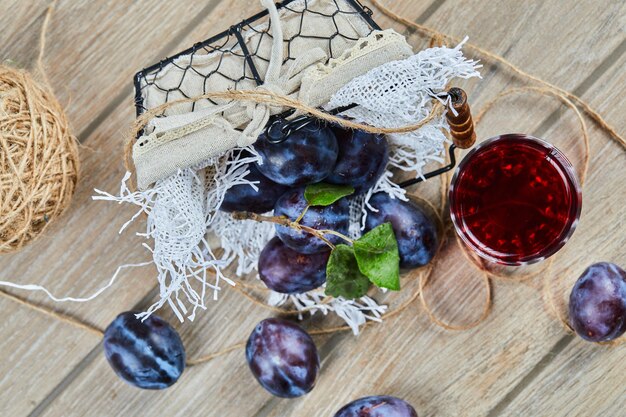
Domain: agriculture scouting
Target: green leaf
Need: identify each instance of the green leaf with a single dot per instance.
(343, 277)
(378, 258)
(322, 194)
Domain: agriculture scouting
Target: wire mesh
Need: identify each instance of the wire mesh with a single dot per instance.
(237, 57)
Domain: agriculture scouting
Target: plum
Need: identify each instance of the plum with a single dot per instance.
(283, 358)
(333, 217)
(361, 161)
(597, 304)
(307, 156)
(243, 197)
(415, 230)
(286, 271)
(377, 406)
(146, 354)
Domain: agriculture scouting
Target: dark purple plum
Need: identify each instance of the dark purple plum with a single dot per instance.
(286, 271)
(148, 354)
(334, 217)
(283, 358)
(377, 406)
(597, 304)
(307, 156)
(415, 230)
(244, 198)
(361, 161)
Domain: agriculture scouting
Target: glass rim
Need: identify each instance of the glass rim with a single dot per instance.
(566, 168)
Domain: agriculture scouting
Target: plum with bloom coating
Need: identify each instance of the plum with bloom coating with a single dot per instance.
(415, 231)
(243, 197)
(361, 161)
(286, 271)
(334, 217)
(597, 304)
(307, 156)
(146, 354)
(283, 358)
(377, 406)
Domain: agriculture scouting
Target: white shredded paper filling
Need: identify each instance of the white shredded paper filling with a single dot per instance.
(181, 209)
(354, 312)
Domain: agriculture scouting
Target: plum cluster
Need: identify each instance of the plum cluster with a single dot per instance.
(294, 262)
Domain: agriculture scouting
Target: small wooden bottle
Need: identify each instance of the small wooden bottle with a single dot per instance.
(461, 125)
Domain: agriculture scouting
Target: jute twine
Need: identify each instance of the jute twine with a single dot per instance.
(39, 160)
(546, 89)
(272, 99)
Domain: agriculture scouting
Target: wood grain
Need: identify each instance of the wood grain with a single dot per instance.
(477, 372)
(586, 379)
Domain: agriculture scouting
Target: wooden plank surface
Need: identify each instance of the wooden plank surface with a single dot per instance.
(586, 379)
(499, 368)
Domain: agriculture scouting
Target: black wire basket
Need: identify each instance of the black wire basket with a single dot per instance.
(232, 42)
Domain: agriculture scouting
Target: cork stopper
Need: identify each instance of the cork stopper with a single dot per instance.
(461, 125)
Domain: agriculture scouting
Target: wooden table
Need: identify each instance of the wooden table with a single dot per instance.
(519, 361)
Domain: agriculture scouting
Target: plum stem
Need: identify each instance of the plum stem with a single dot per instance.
(303, 213)
(341, 235)
(284, 221)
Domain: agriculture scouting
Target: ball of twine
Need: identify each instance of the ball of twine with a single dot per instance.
(38, 159)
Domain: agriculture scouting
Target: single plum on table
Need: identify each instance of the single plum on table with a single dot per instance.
(377, 406)
(286, 271)
(415, 230)
(334, 217)
(146, 354)
(361, 161)
(307, 156)
(243, 197)
(597, 304)
(283, 358)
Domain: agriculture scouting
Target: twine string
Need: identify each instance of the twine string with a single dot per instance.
(65, 318)
(271, 98)
(425, 30)
(274, 99)
(551, 303)
(42, 44)
(39, 158)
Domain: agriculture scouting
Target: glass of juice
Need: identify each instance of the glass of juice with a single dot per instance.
(515, 199)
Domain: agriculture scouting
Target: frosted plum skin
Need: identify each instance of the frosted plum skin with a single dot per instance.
(334, 217)
(377, 406)
(283, 358)
(307, 156)
(148, 354)
(286, 271)
(244, 198)
(361, 161)
(415, 231)
(597, 305)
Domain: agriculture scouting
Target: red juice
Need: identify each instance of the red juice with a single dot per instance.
(515, 199)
